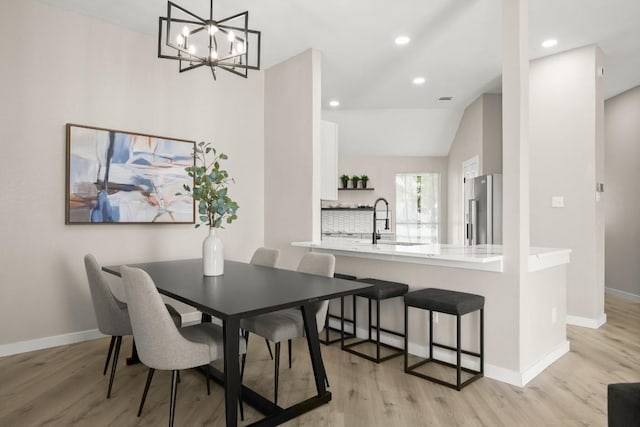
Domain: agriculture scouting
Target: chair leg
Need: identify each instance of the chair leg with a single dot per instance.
(276, 374)
(289, 345)
(458, 354)
(377, 329)
(146, 389)
(269, 348)
(106, 364)
(406, 336)
(206, 372)
(114, 364)
(174, 392)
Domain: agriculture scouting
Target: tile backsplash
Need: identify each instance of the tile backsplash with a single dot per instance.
(350, 221)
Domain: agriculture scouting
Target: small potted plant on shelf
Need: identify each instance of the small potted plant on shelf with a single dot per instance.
(364, 179)
(354, 180)
(345, 181)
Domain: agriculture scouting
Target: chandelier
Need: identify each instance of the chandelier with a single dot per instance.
(227, 44)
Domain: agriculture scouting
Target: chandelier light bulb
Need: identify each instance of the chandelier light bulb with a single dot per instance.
(212, 29)
(192, 49)
(214, 55)
(185, 31)
(230, 36)
(180, 40)
(240, 48)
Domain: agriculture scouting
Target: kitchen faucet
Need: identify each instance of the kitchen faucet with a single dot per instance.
(376, 236)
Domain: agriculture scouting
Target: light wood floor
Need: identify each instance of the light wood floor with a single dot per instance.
(64, 386)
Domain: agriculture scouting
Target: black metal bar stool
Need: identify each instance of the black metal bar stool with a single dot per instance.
(448, 302)
(381, 290)
(326, 340)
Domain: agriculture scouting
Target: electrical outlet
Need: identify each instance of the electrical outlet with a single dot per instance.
(554, 315)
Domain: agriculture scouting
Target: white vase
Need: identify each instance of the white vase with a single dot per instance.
(212, 254)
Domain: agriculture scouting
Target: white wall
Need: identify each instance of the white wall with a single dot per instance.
(566, 104)
(382, 174)
(292, 144)
(491, 159)
(622, 198)
(479, 134)
(63, 67)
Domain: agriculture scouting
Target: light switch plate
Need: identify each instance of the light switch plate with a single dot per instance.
(557, 202)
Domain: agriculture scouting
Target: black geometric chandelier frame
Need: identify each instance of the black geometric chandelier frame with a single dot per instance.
(194, 42)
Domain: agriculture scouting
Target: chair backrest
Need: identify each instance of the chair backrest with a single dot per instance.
(158, 341)
(321, 265)
(266, 257)
(111, 315)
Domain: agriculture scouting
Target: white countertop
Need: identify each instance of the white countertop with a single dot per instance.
(481, 257)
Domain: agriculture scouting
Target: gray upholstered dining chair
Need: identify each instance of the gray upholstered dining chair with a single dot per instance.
(285, 325)
(162, 345)
(111, 314)
(267, 257)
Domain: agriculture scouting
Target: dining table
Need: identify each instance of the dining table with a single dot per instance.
(246, 290)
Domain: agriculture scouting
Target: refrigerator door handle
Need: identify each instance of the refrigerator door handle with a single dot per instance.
(473, 222)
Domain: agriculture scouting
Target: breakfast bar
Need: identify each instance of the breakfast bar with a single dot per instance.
(516, 350)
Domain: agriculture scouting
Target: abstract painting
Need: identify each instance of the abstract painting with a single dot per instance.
(125, 177)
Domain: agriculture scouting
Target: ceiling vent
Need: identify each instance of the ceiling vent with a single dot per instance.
(445, 98)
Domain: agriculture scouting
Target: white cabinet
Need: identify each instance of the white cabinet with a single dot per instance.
(329, 161)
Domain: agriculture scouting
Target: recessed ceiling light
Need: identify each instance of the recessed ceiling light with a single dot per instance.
(334, 103)
(549, 43)
(402, 40)
(419, 80)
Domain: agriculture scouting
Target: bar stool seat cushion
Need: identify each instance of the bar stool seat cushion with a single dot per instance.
(382, 289)
(444, 301)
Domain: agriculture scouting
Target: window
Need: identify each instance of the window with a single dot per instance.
(417, 207)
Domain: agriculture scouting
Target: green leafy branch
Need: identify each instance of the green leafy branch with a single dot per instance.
(210, 187)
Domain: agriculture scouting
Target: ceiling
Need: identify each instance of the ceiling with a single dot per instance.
(455, 44)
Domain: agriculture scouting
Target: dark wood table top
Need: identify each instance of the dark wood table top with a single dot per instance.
(244, 290)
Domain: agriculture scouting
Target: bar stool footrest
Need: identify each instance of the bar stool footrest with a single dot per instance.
(348, 348)
(329, 341)
(411, 370)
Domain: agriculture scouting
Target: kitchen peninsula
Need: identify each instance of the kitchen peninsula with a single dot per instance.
(525, 326)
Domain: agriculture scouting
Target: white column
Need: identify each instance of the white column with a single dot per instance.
(515, 122)
(515, 152)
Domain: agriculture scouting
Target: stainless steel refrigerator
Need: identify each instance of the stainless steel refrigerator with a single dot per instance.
(483, 210)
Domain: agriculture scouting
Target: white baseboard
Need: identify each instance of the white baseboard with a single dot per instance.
(622, 294)
(544, 363)
(587, 322)
(498, 373)
(48, 342)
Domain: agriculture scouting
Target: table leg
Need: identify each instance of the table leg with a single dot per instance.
(311, 331)
(231, 337)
